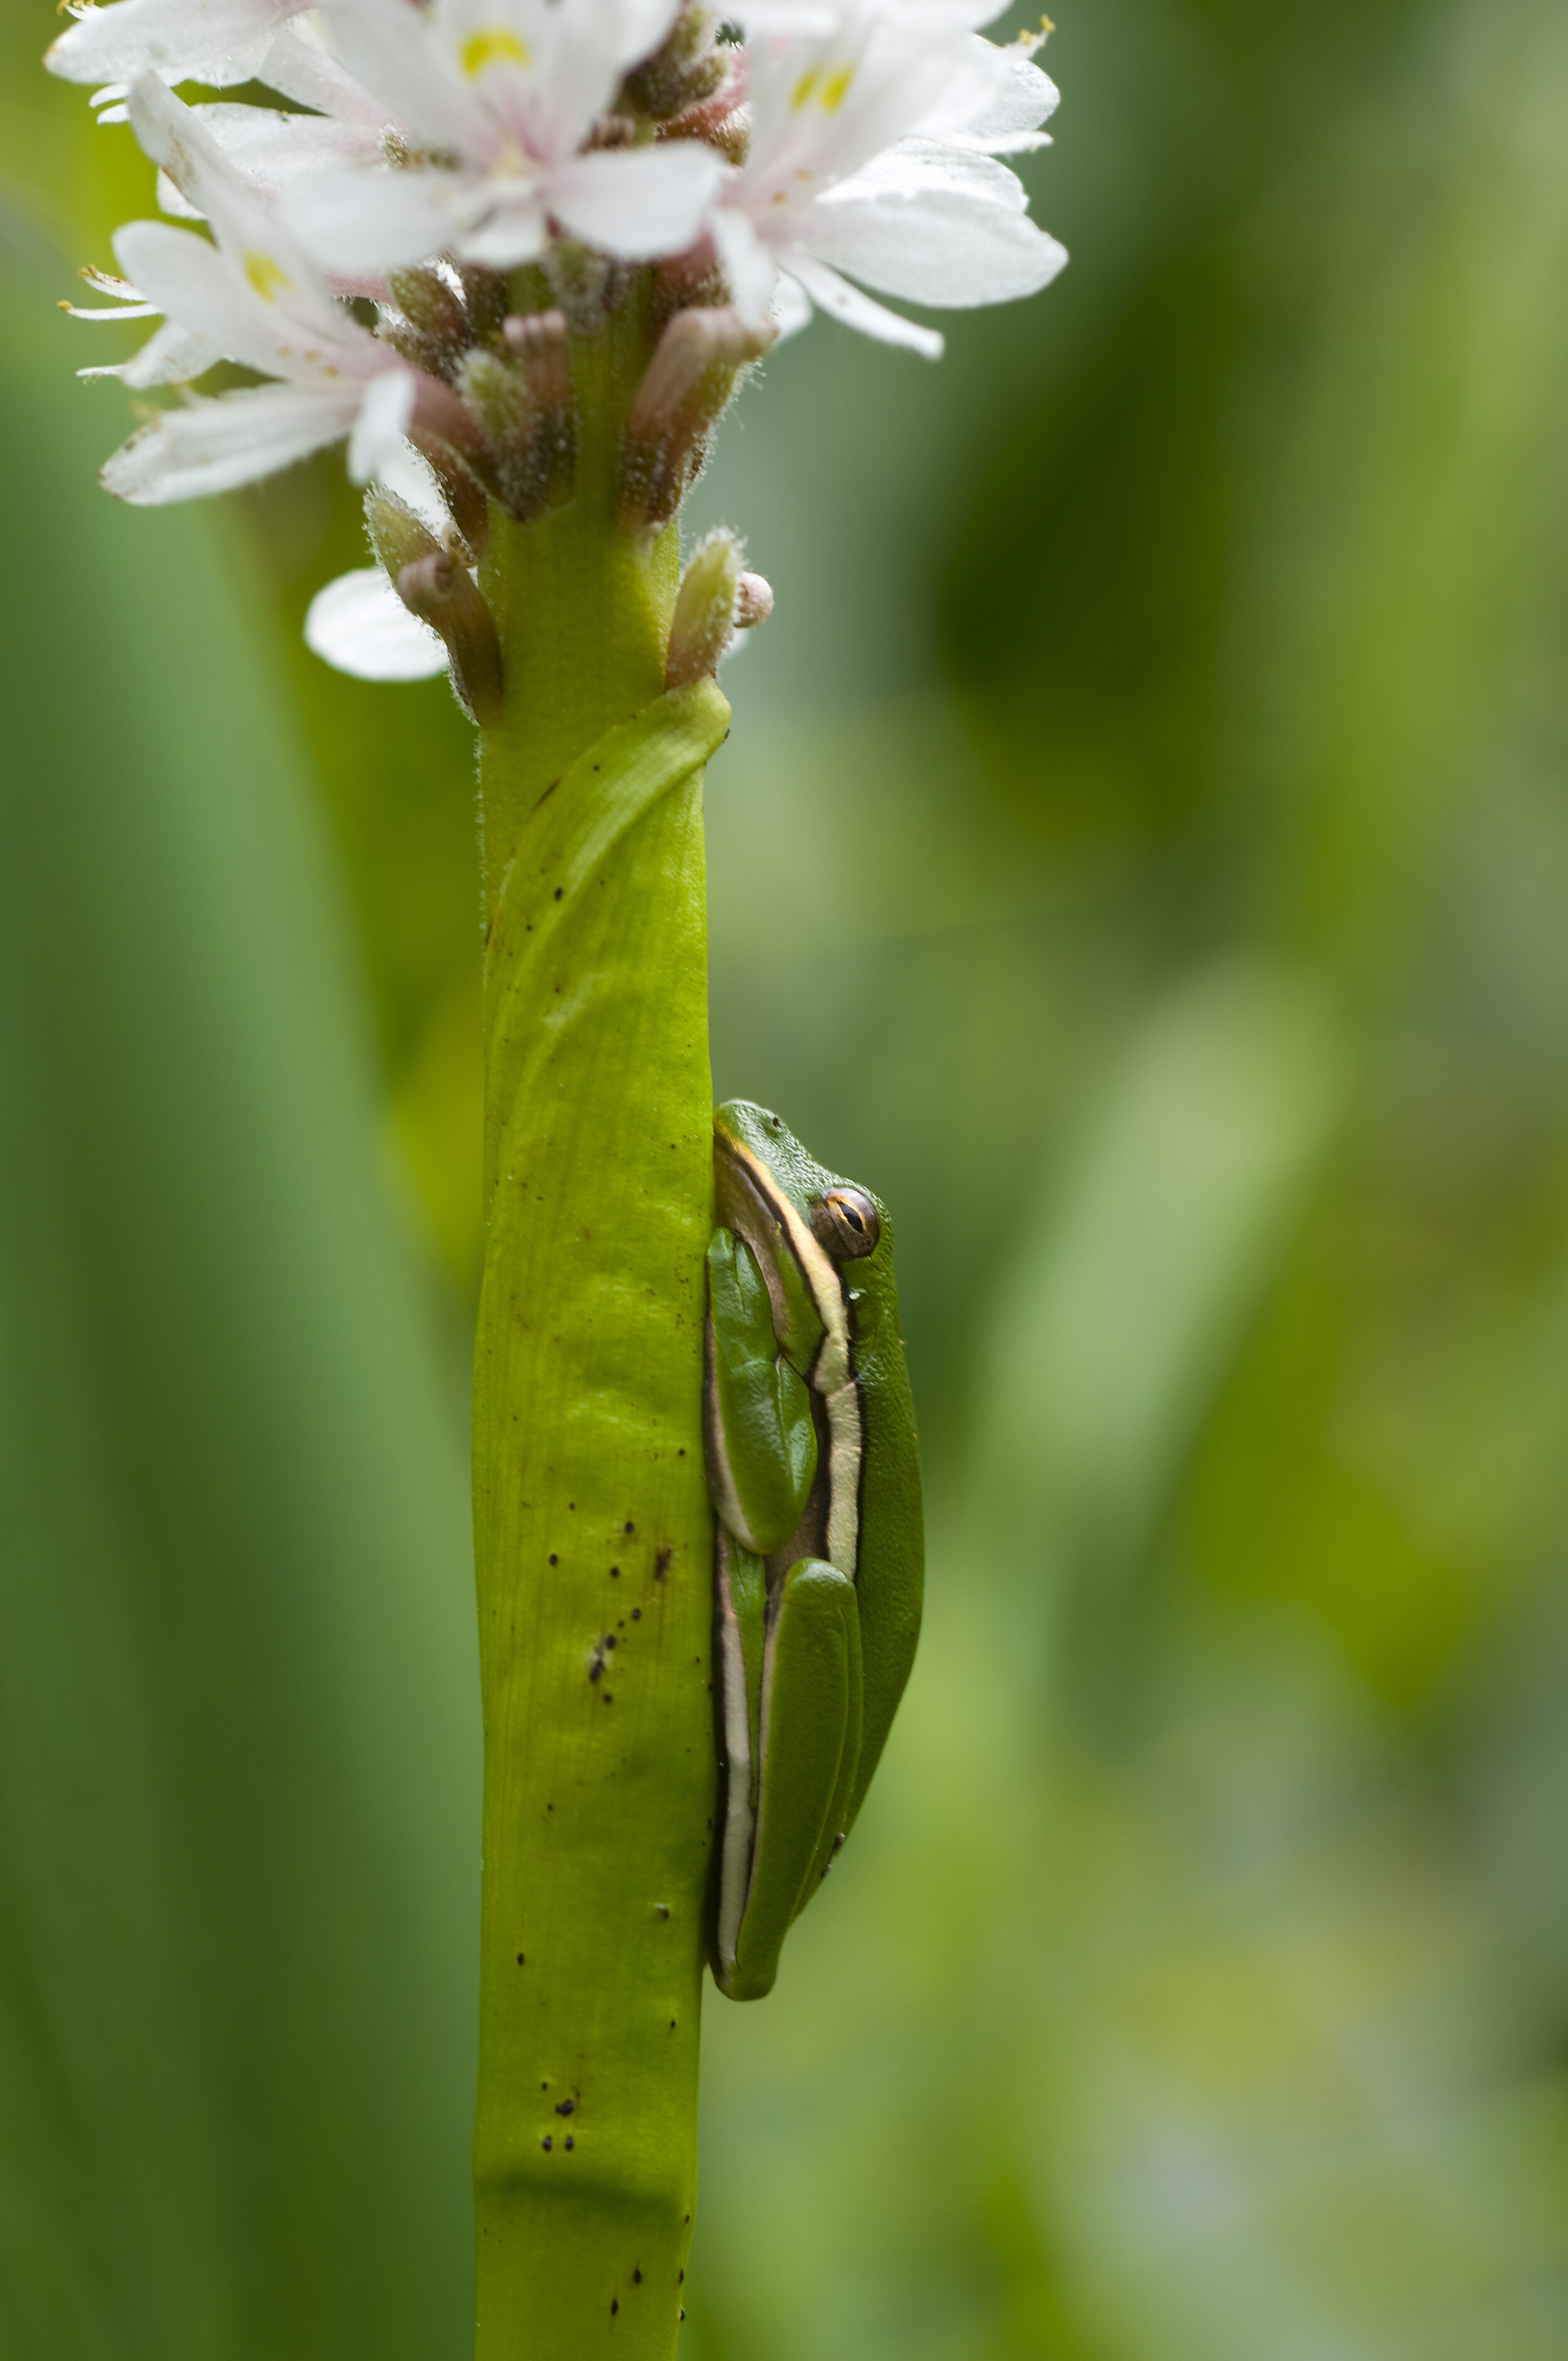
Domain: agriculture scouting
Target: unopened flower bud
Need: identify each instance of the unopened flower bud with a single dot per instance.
(432, 305)
(683, 71)
(443, 594)
(524, 410)
(688, 383)
(464, 493)
(397, 536)
(485, 294)
(704, 611)
(754, 601)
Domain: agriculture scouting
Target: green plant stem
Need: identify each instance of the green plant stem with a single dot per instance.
(592, 1526)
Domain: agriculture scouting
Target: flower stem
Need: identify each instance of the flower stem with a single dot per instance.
(592, 1525)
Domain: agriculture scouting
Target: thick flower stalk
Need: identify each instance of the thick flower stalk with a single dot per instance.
(518, 255)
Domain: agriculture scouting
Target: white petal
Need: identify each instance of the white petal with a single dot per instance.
(298, 65)
(279, 277)
(748, 265)
(406, 472)
(790, 310)
(181, 36)
(359, 624)
(834, 294)
(119, 312)
(189, 280)
(393, 50)
(273, 147)
(508, 234)
(375, 220)
(920, 168)
(211, 446)
(788, 20)
(636, 201)
(172, 201)
(385, 415)
(172, 357)
(999, 102)
(949, 247)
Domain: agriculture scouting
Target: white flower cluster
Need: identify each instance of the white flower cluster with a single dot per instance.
(427, 160)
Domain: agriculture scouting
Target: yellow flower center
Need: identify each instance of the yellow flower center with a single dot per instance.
(491, 45)
(268, 278)
(829, 90)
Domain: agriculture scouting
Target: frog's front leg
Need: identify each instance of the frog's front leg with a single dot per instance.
(790, 1669)
(760, 1436)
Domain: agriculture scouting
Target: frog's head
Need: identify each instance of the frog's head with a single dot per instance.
(759, 1158)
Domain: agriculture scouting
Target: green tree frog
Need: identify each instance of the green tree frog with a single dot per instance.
(815, 1472)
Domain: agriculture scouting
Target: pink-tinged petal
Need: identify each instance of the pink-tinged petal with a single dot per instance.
(190, 38)
(833, 294)
(211, 446)
(636, 201)
(359, 625)
(947, 247)
(370, 221)
(384, 416)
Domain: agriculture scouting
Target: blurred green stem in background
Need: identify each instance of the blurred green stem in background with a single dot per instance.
(592, 1529)
(239, 1746)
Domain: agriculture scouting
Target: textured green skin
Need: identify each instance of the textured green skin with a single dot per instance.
(814, 1748)
(770, 1441)
(599, 1766)
(825, 1744)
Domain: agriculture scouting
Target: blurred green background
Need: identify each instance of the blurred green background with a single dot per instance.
(1142, 854)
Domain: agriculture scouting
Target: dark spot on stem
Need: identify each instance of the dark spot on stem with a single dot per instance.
(615, 1574)
(637, 1615)
(662, 1565)
(615, 2300)
(559, 891)
(546, 2143)
(565, 2106)
(568, 2141)
(629, 1527)
(636, 2275)
(609, 1641)
(521, 1961)
(553, 1559)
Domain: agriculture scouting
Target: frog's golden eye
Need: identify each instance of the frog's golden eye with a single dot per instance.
(846, 1223)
